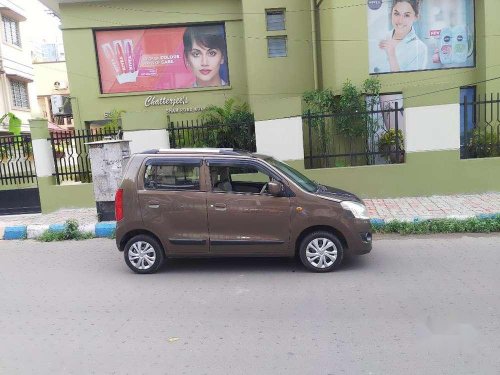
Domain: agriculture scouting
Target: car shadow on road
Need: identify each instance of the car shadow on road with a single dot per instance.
(262, 265)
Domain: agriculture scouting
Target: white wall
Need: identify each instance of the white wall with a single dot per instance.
(142, 140)
(281, 138)
(432, 128)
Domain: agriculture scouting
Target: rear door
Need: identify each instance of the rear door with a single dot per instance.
(173, 204)
(243, 217)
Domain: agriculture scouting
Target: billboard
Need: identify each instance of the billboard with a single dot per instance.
(162, 58)
(415, 35)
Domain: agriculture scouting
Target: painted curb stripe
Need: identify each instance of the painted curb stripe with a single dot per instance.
(105, 229)
(15, 233)
(35, 231)
(56, 227)
(488, 216)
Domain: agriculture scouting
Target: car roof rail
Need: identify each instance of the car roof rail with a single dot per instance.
(201, 150)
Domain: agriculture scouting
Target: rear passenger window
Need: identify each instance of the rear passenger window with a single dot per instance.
(172, 177)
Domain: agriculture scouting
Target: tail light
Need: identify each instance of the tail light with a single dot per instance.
(119, 205)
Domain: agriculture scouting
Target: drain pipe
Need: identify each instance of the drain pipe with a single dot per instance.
(314, 44)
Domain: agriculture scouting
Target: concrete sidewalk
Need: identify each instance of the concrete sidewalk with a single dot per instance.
(408, 209)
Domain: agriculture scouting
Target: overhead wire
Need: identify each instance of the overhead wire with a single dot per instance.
(297, 40)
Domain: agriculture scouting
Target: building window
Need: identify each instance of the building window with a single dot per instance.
(276, 46)
(275, 19)
(19, 94)
(11, 33)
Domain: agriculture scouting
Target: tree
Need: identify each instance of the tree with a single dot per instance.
(14, 123)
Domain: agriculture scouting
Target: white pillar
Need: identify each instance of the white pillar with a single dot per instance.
(42, 152)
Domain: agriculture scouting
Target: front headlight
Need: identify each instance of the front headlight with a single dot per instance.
(358, 210)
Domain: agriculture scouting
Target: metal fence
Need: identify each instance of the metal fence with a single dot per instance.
(71, 159)
(480, 127)
(354, 139)
(195, 133)
(17, 165)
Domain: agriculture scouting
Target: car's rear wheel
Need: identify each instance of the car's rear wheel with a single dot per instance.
(321, 252)
(143, 254)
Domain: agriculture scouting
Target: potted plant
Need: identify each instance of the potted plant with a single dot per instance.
(4, 154)
(28, 150)
(387, 146)
(59, 151)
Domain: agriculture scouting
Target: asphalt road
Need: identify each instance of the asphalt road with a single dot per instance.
(415, 305)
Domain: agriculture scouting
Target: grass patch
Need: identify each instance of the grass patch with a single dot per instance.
(472, 225)
(71, 232)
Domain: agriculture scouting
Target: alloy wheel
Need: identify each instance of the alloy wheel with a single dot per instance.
(321, 253)
(142, 255)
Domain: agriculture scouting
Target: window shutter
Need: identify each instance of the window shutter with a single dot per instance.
(276, 46)
(275, 20)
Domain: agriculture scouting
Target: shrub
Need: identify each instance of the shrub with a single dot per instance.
(71, 232)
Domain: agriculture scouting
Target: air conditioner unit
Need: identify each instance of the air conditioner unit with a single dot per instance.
(61, 105)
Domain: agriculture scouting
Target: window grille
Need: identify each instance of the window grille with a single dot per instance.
(275, 19)
(276, 46)
(11, 33)
(20, 97)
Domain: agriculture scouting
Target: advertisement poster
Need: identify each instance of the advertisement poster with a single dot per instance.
(413, 35)
(166, 58)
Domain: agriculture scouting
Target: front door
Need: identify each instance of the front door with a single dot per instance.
(243, 217)
(174, 206)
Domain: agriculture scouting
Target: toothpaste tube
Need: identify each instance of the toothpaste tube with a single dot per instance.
(119, 52)
(129, 55)
(110, 56)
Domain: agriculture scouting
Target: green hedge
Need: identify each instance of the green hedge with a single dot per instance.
(472, 225)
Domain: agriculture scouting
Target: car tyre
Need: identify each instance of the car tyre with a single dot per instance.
(143, 254)
(321, 251)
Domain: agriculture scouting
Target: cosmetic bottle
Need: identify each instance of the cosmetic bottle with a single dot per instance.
(446, 46)
(460, 44)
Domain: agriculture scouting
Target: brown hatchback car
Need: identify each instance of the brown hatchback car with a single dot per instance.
(220, 202)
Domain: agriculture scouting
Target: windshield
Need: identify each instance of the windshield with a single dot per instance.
(294, 175)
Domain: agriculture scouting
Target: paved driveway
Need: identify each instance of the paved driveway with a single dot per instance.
(421, 305)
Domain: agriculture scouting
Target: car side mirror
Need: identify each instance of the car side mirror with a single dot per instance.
(275, 188)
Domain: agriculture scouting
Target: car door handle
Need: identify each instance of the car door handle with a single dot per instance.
(219, 206)
(154, 204)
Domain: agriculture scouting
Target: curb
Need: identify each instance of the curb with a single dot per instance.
(106, 229)
(103, 229)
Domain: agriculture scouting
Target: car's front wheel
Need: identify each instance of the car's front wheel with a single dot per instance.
(321, 252)
(143, 254)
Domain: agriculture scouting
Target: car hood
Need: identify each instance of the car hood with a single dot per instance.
(341, 195)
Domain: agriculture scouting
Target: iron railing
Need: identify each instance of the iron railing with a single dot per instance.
(480, 128)
(16, 165)
(70, 153)
(354, 139)
(195, 133)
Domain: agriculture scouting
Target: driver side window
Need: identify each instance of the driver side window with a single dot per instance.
(238, 179)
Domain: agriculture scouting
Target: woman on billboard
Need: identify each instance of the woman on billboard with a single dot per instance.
(404, 50)
(205, 54)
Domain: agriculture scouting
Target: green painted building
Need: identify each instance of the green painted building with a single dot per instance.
(127, 55)
(326, 43)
